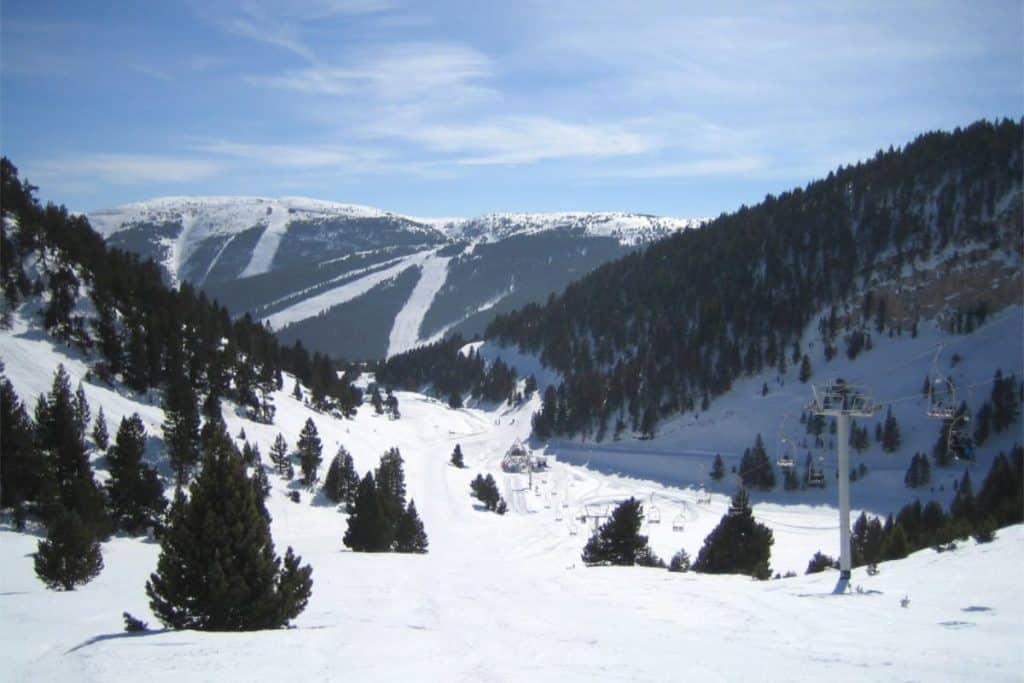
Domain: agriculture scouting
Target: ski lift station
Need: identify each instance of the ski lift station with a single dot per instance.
(518, 458)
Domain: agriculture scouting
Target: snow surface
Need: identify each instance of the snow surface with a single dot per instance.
(314, 305)
(405, 333)
(507, 598)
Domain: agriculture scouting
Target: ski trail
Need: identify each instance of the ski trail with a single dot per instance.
(405, 332)
(216, 258)
(266, 248)
(317, 304)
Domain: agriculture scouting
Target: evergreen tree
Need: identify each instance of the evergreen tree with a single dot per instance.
(409, 535)
(22, 467)
(891, 437)
(376, 400)
(805, 369)
(100, 436)
(69, 478)
(983, 424)
(368, 528)
(680, 562)
(390, 480)
(485, 489)
(217, 569)
(342, 482)
(70, 555)
(134, 489)
(310, 450)
(738, 545)
(279, 456)
(618, 541)
(756, 468)
(963, 506)
(82, 412)
(457, 457)
(717, 468)
(181, 427)
(819, 563)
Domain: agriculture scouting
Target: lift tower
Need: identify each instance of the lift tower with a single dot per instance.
(842, 400)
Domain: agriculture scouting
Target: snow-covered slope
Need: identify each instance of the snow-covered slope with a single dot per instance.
(506, 598)
(289, 260)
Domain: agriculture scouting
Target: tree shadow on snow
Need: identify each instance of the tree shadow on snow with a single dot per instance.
(115, 636)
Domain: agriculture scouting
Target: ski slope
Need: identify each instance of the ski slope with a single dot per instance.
(507, 598)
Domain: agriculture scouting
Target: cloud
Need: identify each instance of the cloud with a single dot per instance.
(290, 156)
(697, 168)
(526, 139)
(125, 169)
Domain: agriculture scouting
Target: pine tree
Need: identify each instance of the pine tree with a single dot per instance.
(342, 482)
(100, 436)
(134, 489)
(485, 489)
(70, 556)
(217, 569)
(680, 562)
(22, 466)
(69, 477)
(738, 545)
(368, 528)
(805, 369)
(409, 535)
(717, 468)
(181, 428)
(279, 456)
(618, 541)
(891, 437)
(310, 449)
(457, 457)
(390, 480)
(819, 563)
(82, 412)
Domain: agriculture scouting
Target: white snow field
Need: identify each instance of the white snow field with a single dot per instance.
(507, 598)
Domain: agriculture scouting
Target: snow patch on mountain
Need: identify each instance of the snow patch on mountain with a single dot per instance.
(406, 331)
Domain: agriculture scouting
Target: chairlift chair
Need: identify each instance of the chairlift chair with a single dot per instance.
(653, 515)
(679, 523)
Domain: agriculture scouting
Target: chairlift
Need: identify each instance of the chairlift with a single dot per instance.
(786, 460)
(558, 514)
(958, 442)
(653, 515)
(679, 523)
(573, 530)
(942, 403)
(703, 495)
(816, 478)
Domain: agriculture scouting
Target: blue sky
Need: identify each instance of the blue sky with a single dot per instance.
(459, 108)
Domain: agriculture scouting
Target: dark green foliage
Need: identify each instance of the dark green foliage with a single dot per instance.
(891, 437)
(805, 369)
(756, 469)
(310, 452)
(409, 534)
(1005, 405)
(645, 557)
(919, 473)
(342, 482)
(717, 468)
(963, 505)
(69, 479)
(390, 480)
(279, 456)
(1001, 496)
(70, 556)
(618, 541)
(485, 489)
(820, 562)
(181, 428)
(21, 464)
(217, 569)
(738, 545)
(866, 540)
(100, 436)
(368, 527)
(896, 546)
(133, 625)
(680, 562)
(134, 489)
(983, 424)
(456, 459)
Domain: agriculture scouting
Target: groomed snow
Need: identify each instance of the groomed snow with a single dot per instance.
(405, 334)
(506, 598)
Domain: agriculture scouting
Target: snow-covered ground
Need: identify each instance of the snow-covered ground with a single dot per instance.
(507, 598)
(405, 334)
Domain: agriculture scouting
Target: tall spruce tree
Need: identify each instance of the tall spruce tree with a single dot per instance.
(134, 489)
(368, 528)
(738, 545)
(217, 569)
(100, 435)
(410, 536)
(342, 482)
(618, 541)
(181, 427)
(22, 466)
(390, 479)
(279, 456)
(310, 452)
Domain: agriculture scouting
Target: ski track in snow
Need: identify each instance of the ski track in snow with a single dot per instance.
(313, 306)
(405, 333)
(266, 247)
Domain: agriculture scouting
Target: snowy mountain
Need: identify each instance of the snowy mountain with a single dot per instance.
(360, 282)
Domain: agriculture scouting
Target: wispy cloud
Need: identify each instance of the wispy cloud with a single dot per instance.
(125, 169)
(290, 156)
(150, 72)
(698, 168)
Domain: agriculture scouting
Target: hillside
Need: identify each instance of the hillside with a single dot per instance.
(507, 597)
(313, 269)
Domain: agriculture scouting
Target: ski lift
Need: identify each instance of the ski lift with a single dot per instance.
(679, 523)
(573, 530)
(703, 495)
(942, 403)
(958, 442)
(653, 513)
(816, 478)
(558, 514)
(786, 460)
